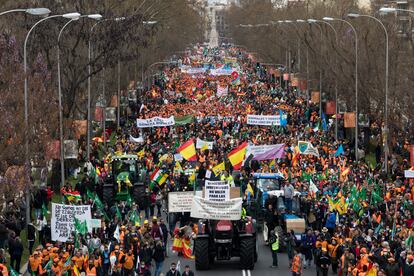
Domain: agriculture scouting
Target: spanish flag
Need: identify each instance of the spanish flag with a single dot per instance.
(188, 151)
(236, 156)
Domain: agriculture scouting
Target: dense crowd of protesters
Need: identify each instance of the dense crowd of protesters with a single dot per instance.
(359, 219)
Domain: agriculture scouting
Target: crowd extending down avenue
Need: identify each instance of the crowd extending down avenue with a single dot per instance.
(218, 115)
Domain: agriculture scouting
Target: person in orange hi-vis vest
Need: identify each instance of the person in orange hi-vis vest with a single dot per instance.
(296, 264)
(90, 268)
(129, 263)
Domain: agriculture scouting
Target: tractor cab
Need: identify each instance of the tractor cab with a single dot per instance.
(126, 177)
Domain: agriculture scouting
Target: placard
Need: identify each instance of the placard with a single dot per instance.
(155, 122)
(349, 119)
(217, 190)
(264, 120)
(216, 210)
(200, 144)
(180, 202)
(315, 96)
(63, 220)
(110, 114)
(70, 149)
(95, 223)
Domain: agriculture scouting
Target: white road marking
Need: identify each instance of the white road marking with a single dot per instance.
(244, 272)
(249, 273)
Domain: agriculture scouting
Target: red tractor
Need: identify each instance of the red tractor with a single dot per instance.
(224, 239)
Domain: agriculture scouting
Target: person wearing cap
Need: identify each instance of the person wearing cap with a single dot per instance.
(35, 263)
(333, 253)
(156, 232)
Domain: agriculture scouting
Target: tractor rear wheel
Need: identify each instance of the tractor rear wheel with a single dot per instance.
(201, 253)
(108, 195)
(139, 193)
(247, 252)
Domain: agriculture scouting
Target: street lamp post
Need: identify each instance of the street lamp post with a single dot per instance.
(313, 21)
(356, 79)
(336, 81)
(62, 158)
(36, 12)
(386, 149)
(88, 136)
(26, 102)
(33, 11)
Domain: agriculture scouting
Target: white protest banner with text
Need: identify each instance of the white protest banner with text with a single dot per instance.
(155, 122)
(217, 190)
(216, 210)
(200, 143)
(264, 120)
(63, 220)
(180, 202)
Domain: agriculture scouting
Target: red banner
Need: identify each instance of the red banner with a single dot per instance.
(98, 114)
(303, 85)
(330, 108)
(315, 96)
(52, 150)
(412, 155)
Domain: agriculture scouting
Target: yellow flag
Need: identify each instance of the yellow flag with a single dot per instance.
(332, 205)
(219, 168)
(141, 153)
(164, 157)
(178, 167)
(272, 163)
(249, 189)
(76, 271)
(192, 178)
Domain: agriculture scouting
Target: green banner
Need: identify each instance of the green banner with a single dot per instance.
(180, 121)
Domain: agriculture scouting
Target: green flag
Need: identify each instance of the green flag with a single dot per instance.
(98, 202)
(183, 120)
(89, 194)
(134, 217)
(44, 210)
(48, 266)
(117, 212)
(409, 241)
(81, 227)
(129, 200)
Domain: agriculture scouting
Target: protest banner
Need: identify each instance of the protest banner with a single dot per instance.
(264, 120)
(409, 174)
(266, 152)
(184, 120)
(110, 114)
(222, 90)
(217, 190)
(200, 144)
(63, 220)
(79, 127)
(70, 149)
(98, 114)
(52, 150)
(315, 95)
(155, 122)
(330, 108)
(180, 202)
(349, 119)
(307, 148)
(216, 210)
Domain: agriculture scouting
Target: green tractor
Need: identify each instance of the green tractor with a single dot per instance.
(126, 177)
